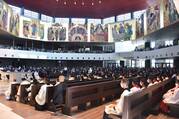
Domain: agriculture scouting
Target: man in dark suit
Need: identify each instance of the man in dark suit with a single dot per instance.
(59, 91)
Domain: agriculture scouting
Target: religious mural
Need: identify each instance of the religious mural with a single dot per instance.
(153, 18)
(170, 12)
(78, 32)
(57, 32)
(3, 15)
(98, 33)
(124, 31)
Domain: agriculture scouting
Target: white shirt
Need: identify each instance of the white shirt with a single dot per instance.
(173, 98)
(134, 89)
(41, 96)
(119, 106)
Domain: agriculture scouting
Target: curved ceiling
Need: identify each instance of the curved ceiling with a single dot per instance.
(82, 8)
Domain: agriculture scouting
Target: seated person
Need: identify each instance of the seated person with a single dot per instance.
(61, 77)
(71, 77)
(41, 96)
(135, 86)
(159, 79)
(155, 81)
(150, 82)
(172, 96)
(59, 90)
(143, 83)
(24, 82)
(33, 82)
(8, 92)
(117, 108)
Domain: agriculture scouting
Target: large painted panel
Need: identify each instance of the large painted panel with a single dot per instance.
(98, 33)
(170, 12)
(57, 32)
(14, 23)
(3, 15)
(140, 26)
(124, 31)
(78, 33)
(153, 18)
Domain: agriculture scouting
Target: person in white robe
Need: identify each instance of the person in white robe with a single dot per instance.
(41, 96)
(117, 108)
(172, 96)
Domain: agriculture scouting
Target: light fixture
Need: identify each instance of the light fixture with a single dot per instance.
(92, 3)
(100, 2)
(75, 2)
(65, 3)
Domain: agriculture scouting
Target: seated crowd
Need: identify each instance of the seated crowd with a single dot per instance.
(132, 80)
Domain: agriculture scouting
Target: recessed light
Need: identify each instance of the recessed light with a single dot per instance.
(65, 3)
(100, 2)
(83, 3)
(92, 3)
(75, 2)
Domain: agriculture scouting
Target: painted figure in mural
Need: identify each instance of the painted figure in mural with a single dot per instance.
(26, 29)
(41, 32)
(153, 18)
(128, 31)
(34, 29)
(62, 33)
(50, 34)
(92, 29)
(56, 33)
(173, 15)
(4, 19)
(14, 24)
(121, 28)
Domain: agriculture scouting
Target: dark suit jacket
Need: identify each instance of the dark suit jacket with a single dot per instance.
(59, 93)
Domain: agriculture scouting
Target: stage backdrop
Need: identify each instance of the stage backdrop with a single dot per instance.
(77, 32)
(98, 33)
(123, 31)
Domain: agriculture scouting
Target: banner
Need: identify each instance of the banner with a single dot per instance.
(78, 32)
(98, 33)
(124, 31)
(57, 32)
